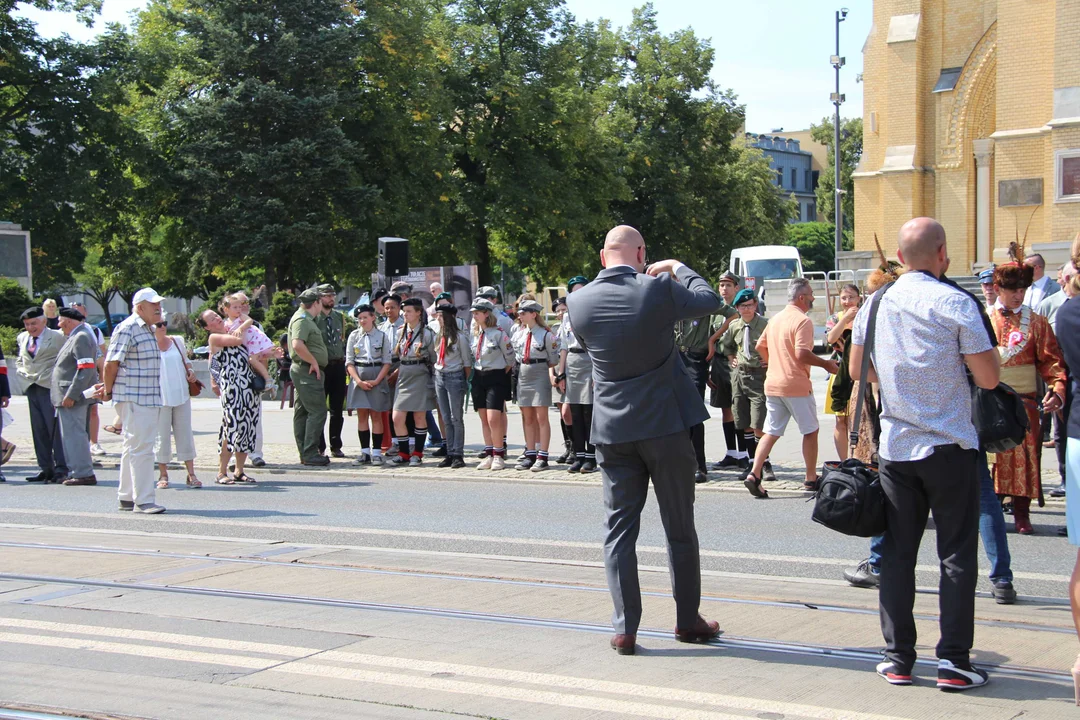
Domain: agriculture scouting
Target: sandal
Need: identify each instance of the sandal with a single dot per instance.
(244, 478)
(113, 429)
(193, 482)
(224, 479)
(162, 482)
(753, 484)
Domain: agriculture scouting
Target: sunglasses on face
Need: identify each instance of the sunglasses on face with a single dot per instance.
(161, 324)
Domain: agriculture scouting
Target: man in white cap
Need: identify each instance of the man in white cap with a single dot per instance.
(133, 380)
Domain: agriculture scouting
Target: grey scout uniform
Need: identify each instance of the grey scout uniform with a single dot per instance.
(748, 378)
(368, 352)
(536, 351)
(579, 389)
(415, 347)
(492, 350)
(75, 372)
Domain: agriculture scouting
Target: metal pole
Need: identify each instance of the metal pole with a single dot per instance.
(838, 213)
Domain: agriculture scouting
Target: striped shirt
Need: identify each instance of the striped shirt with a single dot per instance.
(134, 346)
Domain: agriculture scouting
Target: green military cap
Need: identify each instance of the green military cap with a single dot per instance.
(576, 280)
(731, 277)
(744, 295)
(443, 296)
(308, 296)
(325, 289)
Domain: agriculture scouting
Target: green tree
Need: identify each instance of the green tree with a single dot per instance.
(851, 145)
(816, 242)
(13, 301)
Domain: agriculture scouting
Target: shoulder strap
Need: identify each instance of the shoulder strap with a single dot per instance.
(868, 344)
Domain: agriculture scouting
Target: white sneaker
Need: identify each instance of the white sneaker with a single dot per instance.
(497, 463)
(377, 460)
(149, 509)
(486, 463)
(96, 449)
(415, 461)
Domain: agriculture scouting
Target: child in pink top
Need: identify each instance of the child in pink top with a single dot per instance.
(240, 325)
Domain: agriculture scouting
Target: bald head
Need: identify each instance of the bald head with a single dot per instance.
(623, 246)
(922, 245)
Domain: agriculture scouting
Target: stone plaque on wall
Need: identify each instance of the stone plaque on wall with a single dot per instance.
(1013, 193)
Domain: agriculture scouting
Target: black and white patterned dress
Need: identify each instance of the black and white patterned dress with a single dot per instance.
(239, 402)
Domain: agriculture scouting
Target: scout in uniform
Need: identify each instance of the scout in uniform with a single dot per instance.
(537, 352)
(720, 379)
(493, 359)
(453, 365)
(506, 324)
(738, 346)
(367, 359)
(575, 378)
(439, 441)
(392, 322)
(415, 394)
(332, 323)
(307, 349)
(559, 308)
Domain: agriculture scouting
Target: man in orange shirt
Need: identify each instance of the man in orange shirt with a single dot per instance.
(787, 346)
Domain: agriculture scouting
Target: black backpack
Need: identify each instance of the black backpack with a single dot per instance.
(999, 417)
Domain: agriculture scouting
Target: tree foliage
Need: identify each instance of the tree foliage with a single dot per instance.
(851, 146)
(816, 242)
(13, 301)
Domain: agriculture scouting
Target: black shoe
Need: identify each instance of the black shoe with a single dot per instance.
(258, 462)
(232, 466)
(728, 463)
(893, 674)
(588, 466)
(953, 677)
(41, 477)
(337, 453)
(59, 479)
(1059, 491)
(457, 463)
(439, 452)
(565, 457)
(700, 477)
(317, 461)
(767, 473)
(362, 459)
(481, 455)
(1004, 593)
(399, 460)
(744, 463)
(863, 575)
(1063, 532)
(575, 467)
(446, 462)
(524, 463)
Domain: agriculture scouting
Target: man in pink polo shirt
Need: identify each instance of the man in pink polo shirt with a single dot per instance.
(787, 346)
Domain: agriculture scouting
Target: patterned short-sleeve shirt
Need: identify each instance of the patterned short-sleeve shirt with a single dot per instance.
(924, 329)
(134, 346)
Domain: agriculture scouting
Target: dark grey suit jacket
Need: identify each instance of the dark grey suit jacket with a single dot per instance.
(626, 320)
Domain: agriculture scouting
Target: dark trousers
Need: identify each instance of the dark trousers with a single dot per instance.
(581, 430)
(1061, 425)
(48, 445)
(945, 484)
(625, 469)
(334, 384)
(697, 367)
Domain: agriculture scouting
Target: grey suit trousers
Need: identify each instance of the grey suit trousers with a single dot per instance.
(75, 432)
(626, 469)
(48, 446)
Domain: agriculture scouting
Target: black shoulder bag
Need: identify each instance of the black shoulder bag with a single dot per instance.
(849, 498)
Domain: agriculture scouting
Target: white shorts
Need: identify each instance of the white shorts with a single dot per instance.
(782, 409)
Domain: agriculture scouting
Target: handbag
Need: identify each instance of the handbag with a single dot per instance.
(194, 387)
(1000, 418)
(849, 498)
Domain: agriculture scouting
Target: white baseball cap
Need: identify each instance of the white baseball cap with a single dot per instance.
(146, 295)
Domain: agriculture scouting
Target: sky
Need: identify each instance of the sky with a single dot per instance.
(774, 54)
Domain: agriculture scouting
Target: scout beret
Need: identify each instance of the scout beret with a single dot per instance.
(447, 308)
(31, 313)
(487, 292)
(72, 313)
(730, 277)
(482, 304)
(744, 295)
(530, 306)
(443, 296)
(308, 296)
(325, 289)
(379, 294)
(576, 280)
(414, 302)
(987, 276)
(558, 301)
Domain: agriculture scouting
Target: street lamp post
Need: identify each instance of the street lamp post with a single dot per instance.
(838, 192)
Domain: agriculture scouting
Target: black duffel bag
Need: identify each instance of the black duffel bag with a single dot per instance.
(849, 498)
(1000, 418)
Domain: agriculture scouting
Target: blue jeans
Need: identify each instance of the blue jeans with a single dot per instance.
(991, 528)
(450, 390)
(435, 438)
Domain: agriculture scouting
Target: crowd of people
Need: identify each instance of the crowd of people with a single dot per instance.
(410, 368)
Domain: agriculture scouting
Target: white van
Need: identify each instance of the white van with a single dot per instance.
(766, 262)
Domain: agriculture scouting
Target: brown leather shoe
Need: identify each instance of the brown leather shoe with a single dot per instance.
(623, 644)
(88, 480)
(703, 631)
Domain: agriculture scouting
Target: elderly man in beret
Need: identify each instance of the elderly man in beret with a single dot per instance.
(74, 373)
(38, 347)
(332, 323)
(307, 349)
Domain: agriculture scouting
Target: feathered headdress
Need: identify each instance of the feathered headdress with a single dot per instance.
(1015, 275)
(887, 272)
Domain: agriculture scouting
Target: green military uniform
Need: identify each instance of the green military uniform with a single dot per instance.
(719, 372)
(335, 379)
(309, 415)
(748, 378)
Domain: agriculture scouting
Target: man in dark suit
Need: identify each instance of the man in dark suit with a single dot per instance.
(644, 402)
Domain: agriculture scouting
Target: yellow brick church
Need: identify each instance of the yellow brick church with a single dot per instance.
(971, 115)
